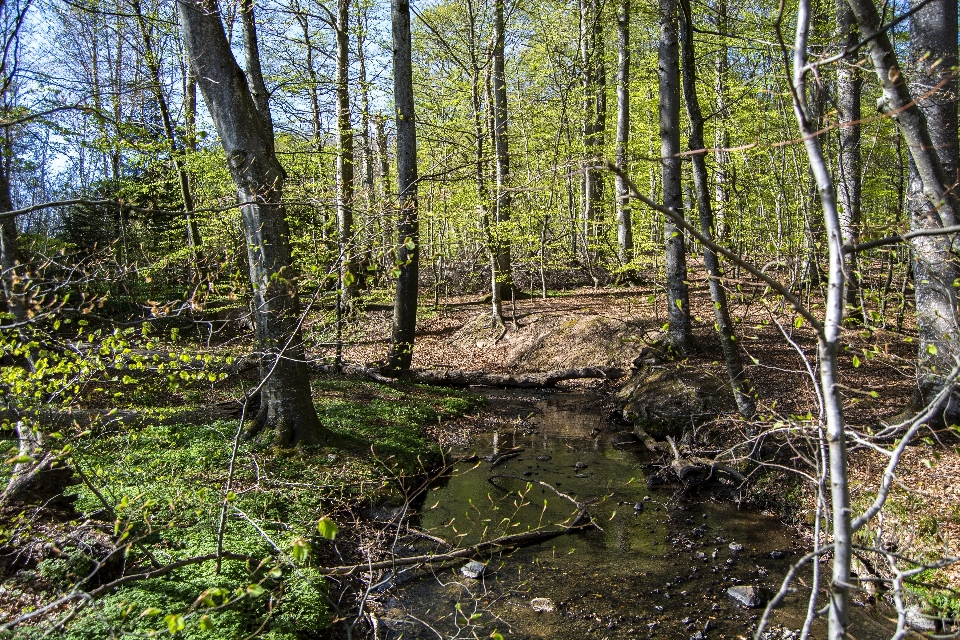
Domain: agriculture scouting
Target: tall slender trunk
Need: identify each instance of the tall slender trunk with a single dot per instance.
(383, 189)
(408, 250)
(502, 279)
(849, 89)
(364, 86)
(344, 178)
(594, 112)
(176, 154)
(678, 302)
(624, 223)
(723, 175)
(286, 402)
(312, 90)
(828, 340)
(741, 387)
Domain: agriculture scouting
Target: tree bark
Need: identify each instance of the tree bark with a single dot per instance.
(408, 250)
(828, 340)
(849, 90)
(624, 223)
(742, 392)
(251, 50)
(286, 403)
(501, 276)
(594, 112)
(347, 269)
(935, 270)
(668, 67)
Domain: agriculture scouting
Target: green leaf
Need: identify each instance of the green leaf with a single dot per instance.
(798, 322)
(856, 362)
(349, 279)
(409, 243)
(327, 528)
(931, 349)
(150, 611)
(175, 622)
(206, 624)
(301, 549)
(19, 460)
(255, 590)
(496, 635)
(395, 272)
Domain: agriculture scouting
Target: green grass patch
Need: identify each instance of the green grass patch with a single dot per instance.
(165, 483)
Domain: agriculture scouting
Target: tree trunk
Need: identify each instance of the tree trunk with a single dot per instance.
(594, 113)
(738, 382)
(408, 250)
(176, 154)
(347, 268)
(723, 175)
(828, 341)
(849, 89)
(933, 39)
(251, 50)
(286, 403)
(624, 223)
(502, 279)
(935, 269)
(678, 303)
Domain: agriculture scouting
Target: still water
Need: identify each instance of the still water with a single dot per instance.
(660, 567)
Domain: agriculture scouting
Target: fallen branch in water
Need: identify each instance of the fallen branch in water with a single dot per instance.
(580, 521)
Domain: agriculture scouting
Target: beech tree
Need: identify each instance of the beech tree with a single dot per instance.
(245, 131)
(668, 68)
(408, 250)
(934, 267)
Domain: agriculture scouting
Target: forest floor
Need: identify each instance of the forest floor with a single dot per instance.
(610, 326)
(165, 464)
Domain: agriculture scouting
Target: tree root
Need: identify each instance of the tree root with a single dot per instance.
(689, 469)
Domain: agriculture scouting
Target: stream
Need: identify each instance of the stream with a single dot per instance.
(661, 566)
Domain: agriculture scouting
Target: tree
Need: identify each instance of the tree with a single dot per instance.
(668, 68)
(408, 250)
(849, 90)
(500, 263)
(624, 223)
(345, 158)
(245, 133)
(718, 294)
(594, 112)
(934, 267)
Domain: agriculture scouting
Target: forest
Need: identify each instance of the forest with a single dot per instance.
(479, 319)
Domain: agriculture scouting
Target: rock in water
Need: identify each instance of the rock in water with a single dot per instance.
(473, 569)
(746, 596)
(542, 605)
